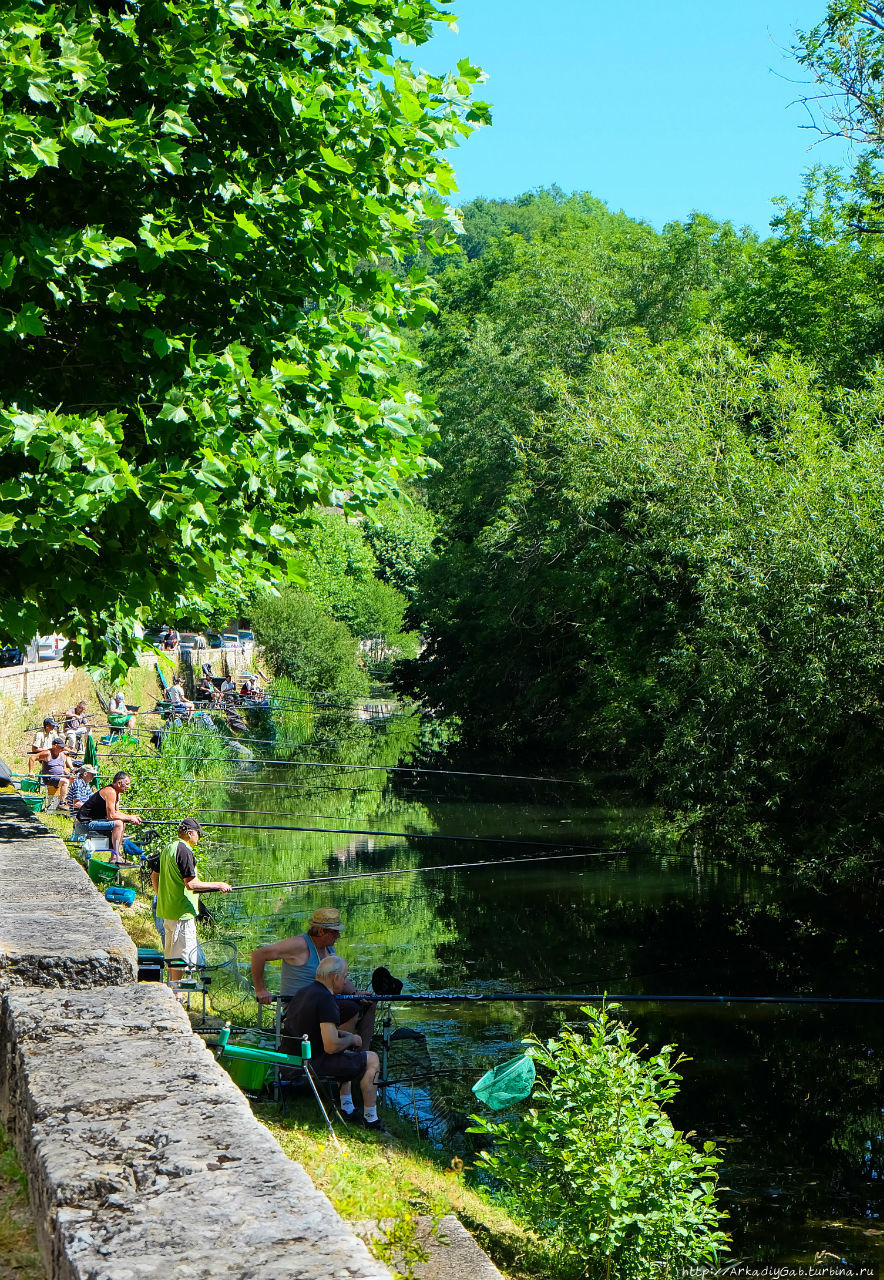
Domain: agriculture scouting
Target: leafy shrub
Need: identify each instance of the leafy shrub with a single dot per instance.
(402, 541)
(596, 1167)
(303, 643)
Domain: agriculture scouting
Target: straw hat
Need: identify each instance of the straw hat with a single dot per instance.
(327, 918)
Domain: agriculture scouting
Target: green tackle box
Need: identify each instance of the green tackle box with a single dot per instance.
(150, 964)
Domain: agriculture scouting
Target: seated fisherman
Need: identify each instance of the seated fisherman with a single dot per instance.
(315, 1012)
(206, 691)
(118, 716)
(42, 742)
(300, 958)
(56, 772)
(76, 727)
(177, 698)
(177, 902)
(101, 814)
(81, 789)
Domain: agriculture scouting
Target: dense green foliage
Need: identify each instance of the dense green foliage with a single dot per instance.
(657, 512)
(402, 540)
(199, 337)
(595, 1166)
(302, 643)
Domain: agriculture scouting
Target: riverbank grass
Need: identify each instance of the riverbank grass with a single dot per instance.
(19, 1256)
(398, 1179)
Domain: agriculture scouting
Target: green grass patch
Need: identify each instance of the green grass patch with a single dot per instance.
(398, 1179)
(19, 1256)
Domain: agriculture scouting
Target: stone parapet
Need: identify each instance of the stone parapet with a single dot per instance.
(144, 1160)
(55, 930)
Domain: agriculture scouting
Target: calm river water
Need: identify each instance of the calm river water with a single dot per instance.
(792, 1095)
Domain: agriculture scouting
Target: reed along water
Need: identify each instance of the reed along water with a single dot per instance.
(790, 1094)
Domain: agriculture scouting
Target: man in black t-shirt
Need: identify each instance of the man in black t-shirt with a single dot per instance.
(313, 1012)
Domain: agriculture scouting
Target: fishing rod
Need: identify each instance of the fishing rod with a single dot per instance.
(414, 871)
(403, 835)
(384, 768)
(611, 997)
(293, 786)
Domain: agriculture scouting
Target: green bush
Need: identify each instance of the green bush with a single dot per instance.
(596, 1167)
(304, 644)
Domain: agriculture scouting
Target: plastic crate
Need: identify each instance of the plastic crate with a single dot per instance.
(250, 1076)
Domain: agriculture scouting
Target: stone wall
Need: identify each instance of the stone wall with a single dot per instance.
(144, 1161)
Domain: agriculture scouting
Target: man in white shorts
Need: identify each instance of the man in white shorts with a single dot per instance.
(177, 902)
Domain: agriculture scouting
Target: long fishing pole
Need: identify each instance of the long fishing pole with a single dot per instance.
(403, 835)
(292, 786)
(384, 768)
(414, 871)
(612, 997)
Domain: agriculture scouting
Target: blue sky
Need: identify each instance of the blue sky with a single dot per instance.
(657, 107)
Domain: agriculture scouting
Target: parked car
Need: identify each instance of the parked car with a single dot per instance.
(246, 637)
(50, 647)
(10, 656)
(190, 640)
(230, 640)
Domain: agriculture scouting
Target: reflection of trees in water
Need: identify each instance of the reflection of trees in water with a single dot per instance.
(393, 922)
(796, 1094)
(796, 1097)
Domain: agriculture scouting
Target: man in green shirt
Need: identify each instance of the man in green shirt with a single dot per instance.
(177, 902)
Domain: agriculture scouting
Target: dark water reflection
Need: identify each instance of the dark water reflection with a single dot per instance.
(792, 1095)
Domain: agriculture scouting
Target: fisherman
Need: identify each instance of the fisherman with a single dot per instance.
(338, 1054)
(77, 727)
(301, 957)
(42, 742)
(177, 902)
(81, 789)
(206, 691)
(102, 817)
(56, 772)
(177, 698)
(118, 716)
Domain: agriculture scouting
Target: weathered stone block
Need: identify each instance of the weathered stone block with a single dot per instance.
(144, 1159)
(56, 930)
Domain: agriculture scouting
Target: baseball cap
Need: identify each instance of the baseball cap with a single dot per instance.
(190, 824)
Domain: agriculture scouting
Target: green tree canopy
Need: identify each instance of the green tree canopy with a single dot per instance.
(303, 644)
(198, 339)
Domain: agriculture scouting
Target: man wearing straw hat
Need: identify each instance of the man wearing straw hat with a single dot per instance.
(300, 957)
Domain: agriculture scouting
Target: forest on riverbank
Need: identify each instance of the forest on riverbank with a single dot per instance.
(625, 483)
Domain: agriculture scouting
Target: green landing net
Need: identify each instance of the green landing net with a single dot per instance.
(509, 1083)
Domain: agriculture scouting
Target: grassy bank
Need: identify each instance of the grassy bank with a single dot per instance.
(141, 689)
(19, 1257)
(399, 1178)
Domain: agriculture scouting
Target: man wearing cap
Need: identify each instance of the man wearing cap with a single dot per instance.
(81, 788)
(42, 742)
(300, 958)
(102, 816)
(56, 772)
(177, 902)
